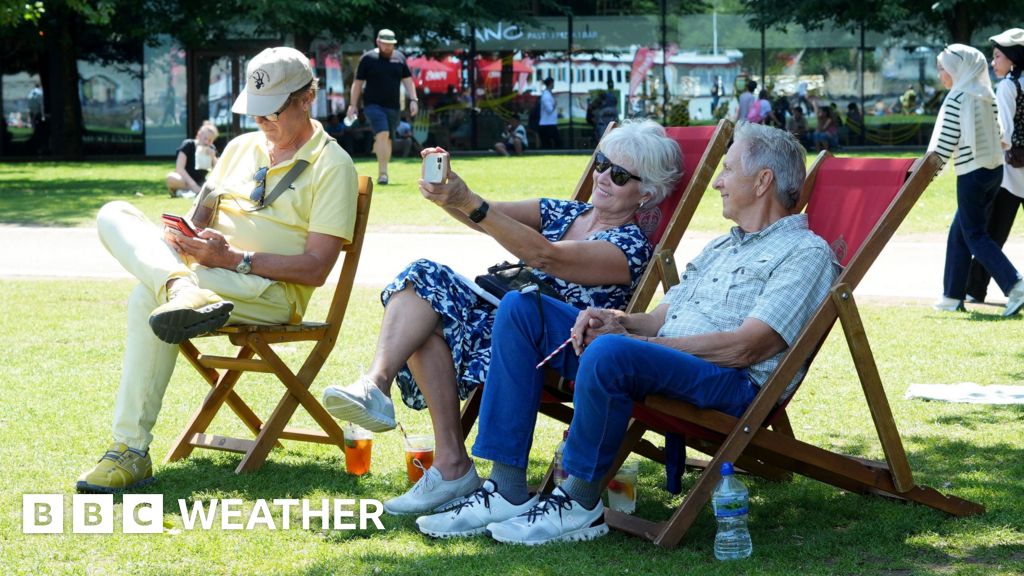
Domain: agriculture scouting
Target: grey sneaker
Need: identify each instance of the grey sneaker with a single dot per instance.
(556, 518)
(1016, 299)
(361, 403)
(433, 493)
(473, 513)
(946, 304)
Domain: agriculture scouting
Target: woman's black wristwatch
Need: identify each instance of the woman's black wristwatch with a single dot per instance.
(480, 213)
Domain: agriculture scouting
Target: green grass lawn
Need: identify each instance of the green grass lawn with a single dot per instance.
(70, 194)
(61, 360)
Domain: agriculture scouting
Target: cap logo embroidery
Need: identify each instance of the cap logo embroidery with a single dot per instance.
(259, 78)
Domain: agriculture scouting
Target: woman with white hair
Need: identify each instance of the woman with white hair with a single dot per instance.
(435, 337)
(1007, 63)
(968, 132)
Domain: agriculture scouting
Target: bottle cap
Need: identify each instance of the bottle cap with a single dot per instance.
(727, 469)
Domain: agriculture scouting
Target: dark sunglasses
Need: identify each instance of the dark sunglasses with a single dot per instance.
(620, 176)
(258, 194)
(277, 115)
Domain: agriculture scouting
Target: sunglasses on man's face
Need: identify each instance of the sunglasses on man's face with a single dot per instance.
(277, 115)
(620, 176)
(258, 194)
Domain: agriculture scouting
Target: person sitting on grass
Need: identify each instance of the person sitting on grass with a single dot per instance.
(514, 138)
(257, 262)
(714, 341)
(435, 337)
(195, 158)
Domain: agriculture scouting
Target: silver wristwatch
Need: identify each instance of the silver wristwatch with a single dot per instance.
(245, 266)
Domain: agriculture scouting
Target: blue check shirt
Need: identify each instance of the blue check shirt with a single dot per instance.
(779, 275)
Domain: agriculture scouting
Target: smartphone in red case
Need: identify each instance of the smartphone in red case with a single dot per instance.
(181, 224)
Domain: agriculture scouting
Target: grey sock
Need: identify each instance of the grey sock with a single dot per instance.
(586, 493)
(511, 482)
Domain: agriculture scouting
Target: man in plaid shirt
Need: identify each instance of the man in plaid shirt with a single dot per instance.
(713, 342)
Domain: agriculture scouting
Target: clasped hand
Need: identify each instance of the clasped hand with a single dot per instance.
(211, 248)
(594, 322)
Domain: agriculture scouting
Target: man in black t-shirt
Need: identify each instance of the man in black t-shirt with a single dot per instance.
(380, 73)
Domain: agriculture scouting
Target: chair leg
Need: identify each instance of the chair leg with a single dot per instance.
(201, 420)
(471, 411)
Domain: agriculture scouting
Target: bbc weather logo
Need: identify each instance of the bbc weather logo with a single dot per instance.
(144, 514)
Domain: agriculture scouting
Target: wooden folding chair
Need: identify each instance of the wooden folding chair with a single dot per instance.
(856, 204)
(256, 355)
(703, 148)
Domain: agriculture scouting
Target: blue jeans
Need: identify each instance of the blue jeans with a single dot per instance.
(614, 372)
(968, 235)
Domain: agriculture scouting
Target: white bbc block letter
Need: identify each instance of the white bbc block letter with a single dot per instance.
(42, 514)
(92, 514)
(143, 513)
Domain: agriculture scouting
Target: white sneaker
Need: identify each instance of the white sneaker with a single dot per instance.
(556, 518)
(432, 493)
(1016, 299)
(472, 514)
(946, 304)
(361, 403)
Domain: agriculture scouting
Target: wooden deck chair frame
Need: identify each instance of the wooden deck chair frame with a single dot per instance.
(659, 271)
(747, 441)
(256, 355)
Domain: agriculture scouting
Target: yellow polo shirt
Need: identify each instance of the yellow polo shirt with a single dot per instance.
(322, 199)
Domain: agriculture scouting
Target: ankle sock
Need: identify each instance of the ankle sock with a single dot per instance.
(586, 493)
(511, 482)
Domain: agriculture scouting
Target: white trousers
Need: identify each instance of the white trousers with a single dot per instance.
(139, 246)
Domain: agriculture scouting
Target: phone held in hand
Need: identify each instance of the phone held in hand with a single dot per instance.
(181, 225)
(435, 167)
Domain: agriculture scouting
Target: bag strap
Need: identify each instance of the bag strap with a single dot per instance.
(289, 177)
(282, 185)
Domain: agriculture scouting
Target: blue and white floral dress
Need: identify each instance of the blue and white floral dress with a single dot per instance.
(467, 319)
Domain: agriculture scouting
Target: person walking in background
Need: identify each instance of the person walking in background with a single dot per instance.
(1007, 63)
(967, 131)
(548, 122)
(747, 99)
(380, 73)
(194, 158)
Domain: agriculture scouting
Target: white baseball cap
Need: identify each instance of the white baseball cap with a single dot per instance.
(270, 78)
(1011, 37)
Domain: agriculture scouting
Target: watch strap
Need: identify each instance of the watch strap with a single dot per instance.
(480, 213)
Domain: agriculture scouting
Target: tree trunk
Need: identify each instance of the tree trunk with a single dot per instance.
(960, 23)
(65, 120)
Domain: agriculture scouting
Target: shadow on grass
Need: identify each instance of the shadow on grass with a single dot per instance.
(63, 201)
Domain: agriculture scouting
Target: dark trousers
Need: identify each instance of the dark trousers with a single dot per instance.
(1002, 211)
(549, 136)
(968, 235)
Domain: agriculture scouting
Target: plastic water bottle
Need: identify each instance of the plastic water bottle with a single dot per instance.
(730, 502)
(559, 474)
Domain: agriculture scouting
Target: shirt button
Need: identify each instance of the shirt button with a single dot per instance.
(714, 279)
(733, 250)
(674, 316)
(684, 276)
(696, 302)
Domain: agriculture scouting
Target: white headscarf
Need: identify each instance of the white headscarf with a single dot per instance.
(969, 71)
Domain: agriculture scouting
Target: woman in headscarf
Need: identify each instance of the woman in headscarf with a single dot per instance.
(968, 132)
(1007, 63)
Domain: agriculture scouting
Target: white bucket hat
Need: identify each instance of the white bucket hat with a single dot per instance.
(270, 78)
(1011, 37)
(387, 36)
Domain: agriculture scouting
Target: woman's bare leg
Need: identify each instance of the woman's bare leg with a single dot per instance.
(408, 321)
(433, 368)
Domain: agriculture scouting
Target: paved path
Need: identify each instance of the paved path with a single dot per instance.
(909, 267)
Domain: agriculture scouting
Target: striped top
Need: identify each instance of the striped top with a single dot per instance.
(985, 151)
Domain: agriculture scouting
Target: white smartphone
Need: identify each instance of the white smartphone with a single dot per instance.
(435, 167)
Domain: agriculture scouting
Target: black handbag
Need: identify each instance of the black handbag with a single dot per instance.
(505, 277)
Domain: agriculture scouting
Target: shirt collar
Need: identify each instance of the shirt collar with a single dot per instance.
(794, 222)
